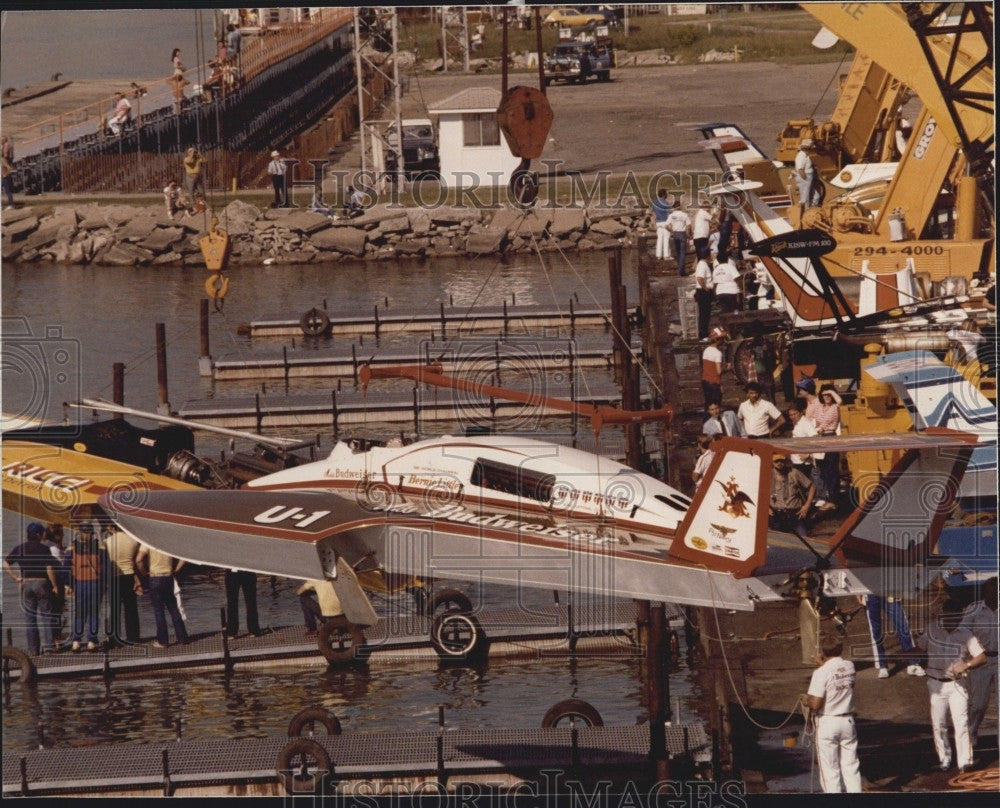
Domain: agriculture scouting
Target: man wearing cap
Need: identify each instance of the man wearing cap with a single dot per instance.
(805, 173)
(37, 579)
(791, 497)
(276, 168)
(661, 210)
(711, 367)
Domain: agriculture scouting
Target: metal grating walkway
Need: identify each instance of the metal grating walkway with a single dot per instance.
(604, 626)
(354, 756)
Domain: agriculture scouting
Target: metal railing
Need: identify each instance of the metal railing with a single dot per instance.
(87, 124)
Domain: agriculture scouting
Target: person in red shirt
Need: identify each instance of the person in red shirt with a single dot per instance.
(712, 362)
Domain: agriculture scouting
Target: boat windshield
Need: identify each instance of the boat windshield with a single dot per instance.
(513, 480)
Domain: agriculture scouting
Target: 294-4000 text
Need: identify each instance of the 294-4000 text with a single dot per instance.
(911, 249)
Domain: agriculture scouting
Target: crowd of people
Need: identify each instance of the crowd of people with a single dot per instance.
(87, 595)
(959, 649)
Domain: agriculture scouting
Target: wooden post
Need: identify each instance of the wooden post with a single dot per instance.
(205, 357)
(163, 407)
(118, 385)
(658, 689)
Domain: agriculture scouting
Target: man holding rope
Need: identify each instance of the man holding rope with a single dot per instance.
(831, 697)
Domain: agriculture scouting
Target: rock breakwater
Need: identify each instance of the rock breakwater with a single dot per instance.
(132, 235)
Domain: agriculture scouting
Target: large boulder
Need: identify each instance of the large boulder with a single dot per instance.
(125, 255)
(18, 229)
(348, 240)
(305, 221)
(138, 228)
(238, 217)
(564, 221)
(420, 221)
(484, 241)
(162, 238)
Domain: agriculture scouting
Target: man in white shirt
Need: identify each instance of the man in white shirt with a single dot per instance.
(276, 168)
(679, 225)
(952, 651)
(831, 696)
(981, 619)
(722, 422)
(701, 226)
(760, 418)
(804, 174)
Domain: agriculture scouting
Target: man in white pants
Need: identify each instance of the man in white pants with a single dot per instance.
(831, 696)
(981, 619)
(661, 210)
(952, 651)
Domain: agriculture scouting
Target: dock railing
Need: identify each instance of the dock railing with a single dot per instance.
(261, 49)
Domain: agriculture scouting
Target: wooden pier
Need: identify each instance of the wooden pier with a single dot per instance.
(533, 355)
(346, 408)
(448, 321)
(494, 762)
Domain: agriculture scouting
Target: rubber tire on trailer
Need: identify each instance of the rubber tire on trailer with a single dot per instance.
(300, 748)
(604, 75)
(311, 716)
(334, 628)
(577, 708)
(451, 599)
(739, 350)
(469, 644)
(16, 656)
(314, 323)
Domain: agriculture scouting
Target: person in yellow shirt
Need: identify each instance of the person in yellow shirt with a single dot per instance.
(161, 569)
(318, 600)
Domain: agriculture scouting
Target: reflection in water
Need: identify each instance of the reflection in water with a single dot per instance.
(260, 703)
(82, 305)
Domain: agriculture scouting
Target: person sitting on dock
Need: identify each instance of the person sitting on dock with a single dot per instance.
(122, 114)
(319, 601)
(355, 204)
(175, 199)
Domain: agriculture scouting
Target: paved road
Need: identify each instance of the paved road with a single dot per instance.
(642, 120)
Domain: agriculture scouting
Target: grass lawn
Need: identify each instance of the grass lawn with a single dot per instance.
(784, 36)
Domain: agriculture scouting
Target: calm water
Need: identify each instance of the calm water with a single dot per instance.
(91, 44)
(75, 322)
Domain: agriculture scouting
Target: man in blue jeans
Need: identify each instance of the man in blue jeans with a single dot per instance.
(37, 578)
(894, 609)
(161, 570)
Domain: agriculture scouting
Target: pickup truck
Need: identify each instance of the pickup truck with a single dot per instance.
(420, 151)
(575, 61)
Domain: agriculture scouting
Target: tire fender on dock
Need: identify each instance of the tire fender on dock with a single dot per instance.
(339, 639)
(309, 718)
(16, 657)
(314, 323)
(577, 709)
(304, 767)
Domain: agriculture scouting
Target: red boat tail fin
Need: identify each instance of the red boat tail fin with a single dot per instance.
(725, 529)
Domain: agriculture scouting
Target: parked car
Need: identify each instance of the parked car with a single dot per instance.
(575, 61)
(572, 18)
(420, 150)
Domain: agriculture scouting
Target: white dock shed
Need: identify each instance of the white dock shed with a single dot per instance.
(472, 149)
